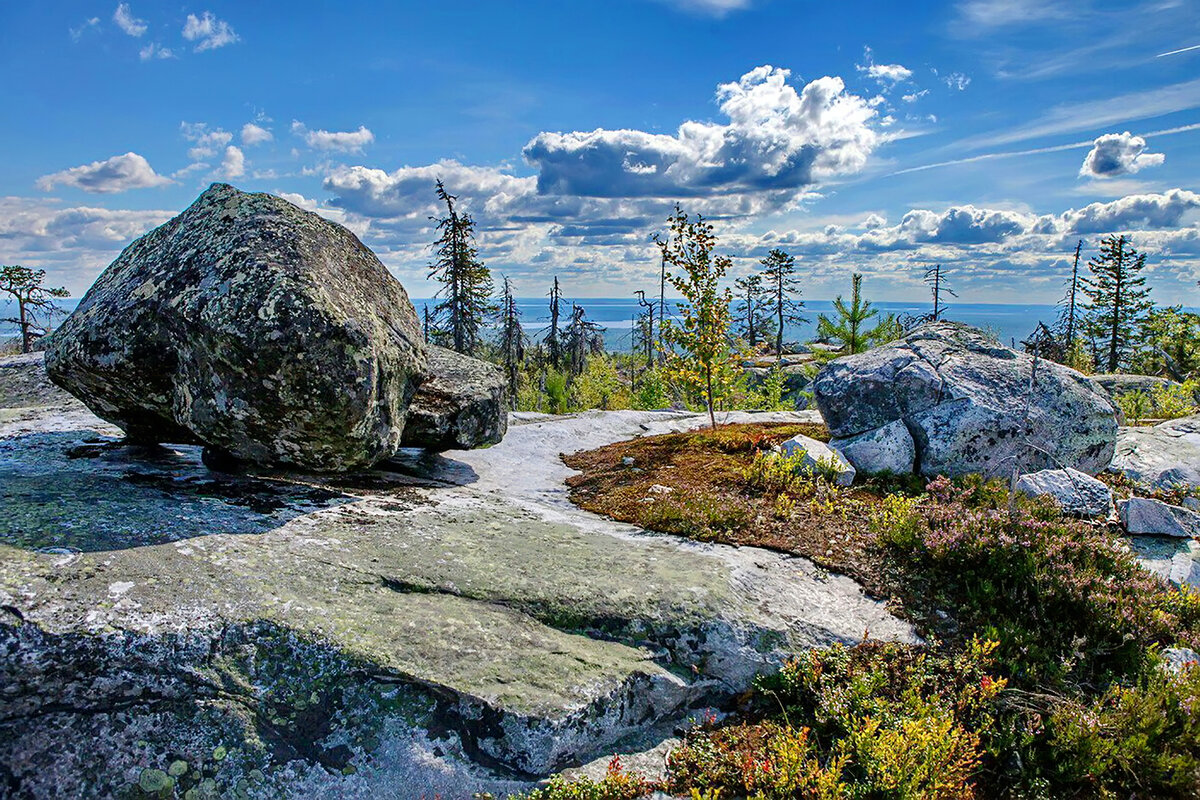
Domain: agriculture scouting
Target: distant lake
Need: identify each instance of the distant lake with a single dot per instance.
(1011, 323)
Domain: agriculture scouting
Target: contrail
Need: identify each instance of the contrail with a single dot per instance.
(1055, 149)
(1180, 50)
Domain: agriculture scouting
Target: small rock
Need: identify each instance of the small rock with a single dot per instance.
(1180, 658)
(1077, 493)
(886, 449)
(1141, 515)
(818, 457)
(658, 488)
(627, 461)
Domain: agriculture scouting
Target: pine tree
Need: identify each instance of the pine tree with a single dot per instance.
(512, 340)
(33, 300)
(698, 350)
(850, 329)
(466, 283)
(1117, 302)
(581, 339)
(754, 320)
(780, 284)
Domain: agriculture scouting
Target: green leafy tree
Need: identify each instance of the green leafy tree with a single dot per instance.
(599, 386)
(850, 327)
(466, 282)
(698, 351)
(512, 340)
(780, 288)
(1117, 301)
(1170, 340)
(35, 302)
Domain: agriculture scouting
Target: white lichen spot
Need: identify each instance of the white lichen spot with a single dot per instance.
(119, 588)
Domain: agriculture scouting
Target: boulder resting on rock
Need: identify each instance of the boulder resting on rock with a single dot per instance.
(267, 333)
(817, 457)
(970, 404)
(461, 404)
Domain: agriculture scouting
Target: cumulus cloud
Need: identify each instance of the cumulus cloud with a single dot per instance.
(1116, 154)
(87, 25)
(340, 141)
(233, 165)
(1133, 212)
(127, 22)
(208, 32)
(776, 138)
(206, 142)
(154, 51)
(116, 174)
(253, 134)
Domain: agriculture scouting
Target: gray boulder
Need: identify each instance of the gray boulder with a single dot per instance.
(886, 449)
(966, 401)
(816, 457)
(265, 332)
(461, 404)
(1165, 456)
(1141, 515)
(1077, 493)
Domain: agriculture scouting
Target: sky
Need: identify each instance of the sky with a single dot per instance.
(877, 137)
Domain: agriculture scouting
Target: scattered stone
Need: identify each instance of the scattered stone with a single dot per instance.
(627, 461)
(1078, 494)
(966, 400)
(886, 449)
(819, 458)
(1142, 515)
(1180, 658)
(462, 404)
(1164, 457)
(252, 326)
(1170, 558)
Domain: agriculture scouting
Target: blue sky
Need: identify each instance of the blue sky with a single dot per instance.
(987, 135)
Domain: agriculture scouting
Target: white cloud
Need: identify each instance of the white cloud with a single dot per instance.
(340, 141)
(87, 25)
(127, 22)
(154, 51)
(233, 165)
(116, 174)
(957, 80)
(1116, 154)
(915, 96)
(208, 31)
(888, 75)
(776, 139)
(253, 134)
(206, 142)
(998, 13)
(714, 8)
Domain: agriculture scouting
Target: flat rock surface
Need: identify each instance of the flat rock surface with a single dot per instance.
(443, 624)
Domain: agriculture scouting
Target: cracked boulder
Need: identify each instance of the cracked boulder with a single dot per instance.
(263, 331)
(970, 404)
(462, 404)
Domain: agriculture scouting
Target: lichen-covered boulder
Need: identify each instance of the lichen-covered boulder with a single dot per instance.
(462, 404)
(1166, 456)
(254, 327)
(1148, 517)
(971, 404)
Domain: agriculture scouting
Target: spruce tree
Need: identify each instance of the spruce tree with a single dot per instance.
(935, 278)
(780, 284)
(553, 339)
(1117, 300)
(466, 283)
(849, 329)
(511, 341)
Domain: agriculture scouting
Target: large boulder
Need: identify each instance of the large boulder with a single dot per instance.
(889, 449)
(1166, 456)
(969, 404)
(261, 330)
(462, 404)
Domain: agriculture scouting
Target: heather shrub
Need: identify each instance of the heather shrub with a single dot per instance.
(617, 784)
